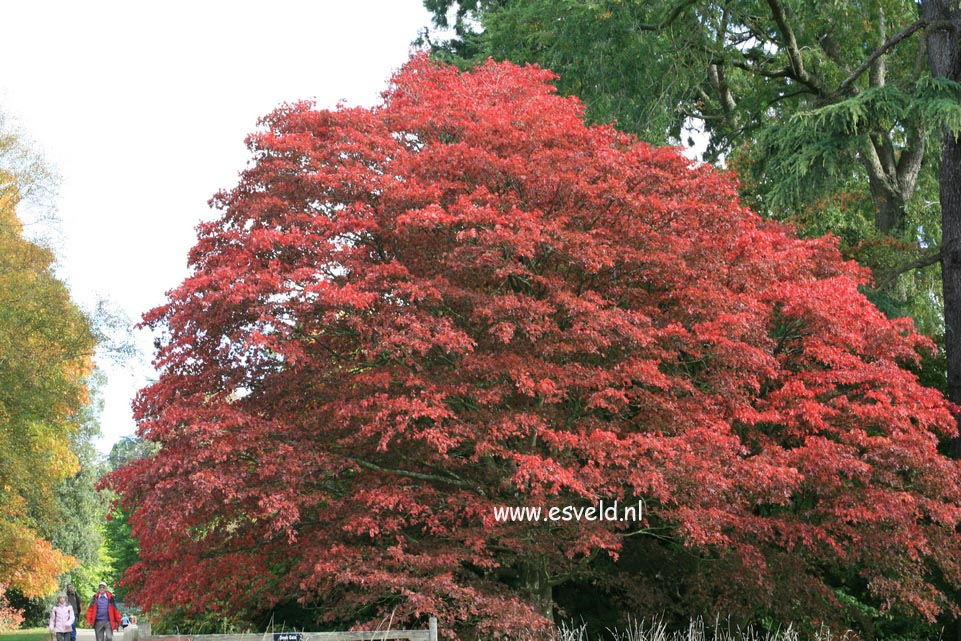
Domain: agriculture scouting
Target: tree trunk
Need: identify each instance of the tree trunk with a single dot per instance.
(951, 267)
(950, 193)
(890, 214)
(944, 57)
(536, 582)
(892, 176)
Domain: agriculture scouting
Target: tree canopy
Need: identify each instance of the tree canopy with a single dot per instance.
(815, 92)
(466, 298)
(46, 352)
(827, 110)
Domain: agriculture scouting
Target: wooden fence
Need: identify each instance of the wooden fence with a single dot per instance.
(430, 634)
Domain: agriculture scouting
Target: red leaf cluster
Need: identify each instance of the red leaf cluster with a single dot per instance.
(466, 298)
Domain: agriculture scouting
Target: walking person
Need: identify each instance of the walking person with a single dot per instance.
(73, 599)
(102, 614)
(62, 618)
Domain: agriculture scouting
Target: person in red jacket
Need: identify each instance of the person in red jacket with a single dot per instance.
(102, 614)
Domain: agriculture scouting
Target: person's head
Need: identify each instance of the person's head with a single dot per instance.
(70, 588)
(102, 588)
(61, 598)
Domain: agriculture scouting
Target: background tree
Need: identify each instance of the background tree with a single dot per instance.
(121, 547)
(944, 58)
(46, 350)
(23, 168)
(81, 508)
(465, 298)
(45, 355)
(826, 109)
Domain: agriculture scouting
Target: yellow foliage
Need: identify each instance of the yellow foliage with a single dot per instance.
(46, 355)
(28, 563)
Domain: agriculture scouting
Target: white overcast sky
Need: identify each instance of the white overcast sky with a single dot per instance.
(142, 108)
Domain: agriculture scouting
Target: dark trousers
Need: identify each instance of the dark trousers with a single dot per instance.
(103, 630)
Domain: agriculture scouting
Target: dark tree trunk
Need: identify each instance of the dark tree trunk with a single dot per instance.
(951, 267)
(890, 213)
(944, 56)
(536, 582)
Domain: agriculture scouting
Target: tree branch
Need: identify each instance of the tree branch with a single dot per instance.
(878, 67)
(786, 72)
(831, 49)
(888, 276)
(666, 22)
(716, 73)
(909, 164)
(873, 164)
(449, 480)
(798, 72)
(886, 46)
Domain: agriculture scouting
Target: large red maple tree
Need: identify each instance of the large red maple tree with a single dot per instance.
(463, 298)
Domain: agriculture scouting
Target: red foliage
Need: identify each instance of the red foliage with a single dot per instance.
(10, 618)
(466, 298)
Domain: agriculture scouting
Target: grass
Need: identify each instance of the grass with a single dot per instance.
(31, 634)
(697, 630)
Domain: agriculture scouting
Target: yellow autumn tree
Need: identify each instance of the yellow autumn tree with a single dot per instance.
(46, 357)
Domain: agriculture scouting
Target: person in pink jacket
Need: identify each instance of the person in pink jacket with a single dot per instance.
(62, 618)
